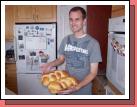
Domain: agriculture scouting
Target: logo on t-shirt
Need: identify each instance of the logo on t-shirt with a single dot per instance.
(69, 47)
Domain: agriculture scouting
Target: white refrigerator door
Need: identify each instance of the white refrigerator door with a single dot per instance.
(30, 84)
(116, 63)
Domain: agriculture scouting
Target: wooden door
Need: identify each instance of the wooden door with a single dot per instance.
(45, 13)
(97, 26)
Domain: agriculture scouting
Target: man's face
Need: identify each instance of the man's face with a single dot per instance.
(76, 21)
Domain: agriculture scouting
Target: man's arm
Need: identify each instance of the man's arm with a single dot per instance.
(58, 61)
(90, 76)
(48, 66)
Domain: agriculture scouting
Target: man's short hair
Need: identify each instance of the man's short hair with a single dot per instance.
(79, 9)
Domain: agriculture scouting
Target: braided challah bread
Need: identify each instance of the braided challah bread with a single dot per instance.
(53, 76)
(58, 81)
(62, 84)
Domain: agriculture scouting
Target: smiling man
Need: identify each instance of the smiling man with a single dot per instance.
(81, 53)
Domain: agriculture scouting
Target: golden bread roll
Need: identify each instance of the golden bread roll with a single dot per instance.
(61, 74)
(73, 80)
(69, 82)
(45, 80)
(53, 76)
(62, 84)
(54, 87)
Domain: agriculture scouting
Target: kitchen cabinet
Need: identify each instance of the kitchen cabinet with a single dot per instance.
(25, 13)
(42, 13)
(118, 10)
(10, 77)
(9, 22)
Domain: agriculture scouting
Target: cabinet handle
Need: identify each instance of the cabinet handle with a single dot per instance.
(124, 20)
(33, 17)
(37, 17)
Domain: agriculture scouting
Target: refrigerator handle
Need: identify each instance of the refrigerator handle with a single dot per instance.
(15, 43)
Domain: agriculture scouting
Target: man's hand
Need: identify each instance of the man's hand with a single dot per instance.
(51, 65)
(69, 91)
(45, 68)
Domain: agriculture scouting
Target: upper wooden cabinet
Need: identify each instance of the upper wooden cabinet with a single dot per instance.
(9, 22)
(118, 10)
(27, 14)
(46, 13)
(24, 13)
(37, 13)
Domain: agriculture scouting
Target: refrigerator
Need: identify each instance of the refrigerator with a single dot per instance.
(116, 55)
(35, 44)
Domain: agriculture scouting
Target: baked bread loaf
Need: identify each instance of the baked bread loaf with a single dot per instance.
(53, 76)
(58, 81)
(54, 87)
(62, 84)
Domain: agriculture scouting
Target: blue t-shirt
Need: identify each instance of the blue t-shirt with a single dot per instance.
(79, 54)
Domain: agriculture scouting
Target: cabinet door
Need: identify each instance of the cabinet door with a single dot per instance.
(118, 10)
(25, 13)
(9, 22)
(45, 13)
(11, 79)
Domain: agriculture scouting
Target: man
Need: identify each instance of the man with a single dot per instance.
(81, 53)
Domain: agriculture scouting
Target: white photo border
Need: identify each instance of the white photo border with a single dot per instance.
(127, 94)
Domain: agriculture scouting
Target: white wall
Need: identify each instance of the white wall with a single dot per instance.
(63, 28)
